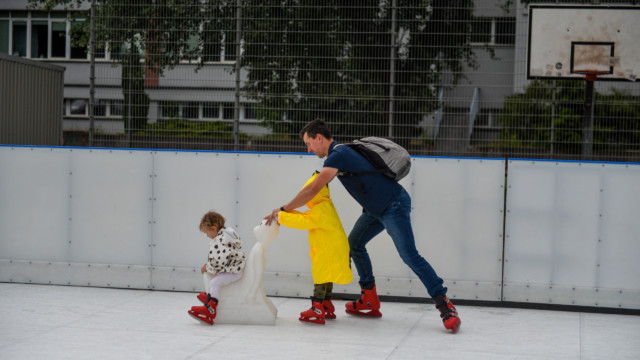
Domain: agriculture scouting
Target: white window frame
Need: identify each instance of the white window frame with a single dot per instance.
(109, 103)
(220, 105)
(29, 20)
(493, 34)
(68, 113)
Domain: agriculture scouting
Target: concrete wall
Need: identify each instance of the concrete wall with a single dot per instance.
(129, 219)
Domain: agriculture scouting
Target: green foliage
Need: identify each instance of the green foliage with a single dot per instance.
(185, 128)
(156, 31)
(333, 60)
(579, 2)
(617, 120)
(330, 59)
(527, 118)
(136, 101)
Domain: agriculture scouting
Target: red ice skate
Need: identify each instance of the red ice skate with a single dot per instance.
(202, 297)
(448, 313)
(315, 315)
(205, 313)
(329, 309)
(367, 305)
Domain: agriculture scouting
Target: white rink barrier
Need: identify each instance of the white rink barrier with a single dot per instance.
(129, 219)
(573, 234)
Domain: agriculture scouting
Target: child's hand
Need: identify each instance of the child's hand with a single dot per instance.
(203, 269)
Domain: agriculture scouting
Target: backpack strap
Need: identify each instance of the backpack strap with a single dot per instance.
(360, 173)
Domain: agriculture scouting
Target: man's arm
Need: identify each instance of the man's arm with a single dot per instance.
(307, 193)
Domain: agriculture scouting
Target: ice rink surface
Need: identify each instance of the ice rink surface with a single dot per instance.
(66, 322)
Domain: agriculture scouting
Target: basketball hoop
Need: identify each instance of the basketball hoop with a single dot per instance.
(591, 75)
(563, 45)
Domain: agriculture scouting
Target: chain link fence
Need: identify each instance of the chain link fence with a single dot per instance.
(440, 77)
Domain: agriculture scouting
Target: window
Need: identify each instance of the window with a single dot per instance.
(58, 39)
(222, 51)
(4, 36)
(211, 110)
(249, 112)
(108, 108)
(493, 31)
(78, 52)
(39, 39)
(190, 110)
(117, 52)
(99, 52)
(170, 109)
(228, 111)
(42, 35)
(78, 107)
(116, 107)
(205, 111)
(229, 48)
(505, 31)
(19, 38)
(100, 108)
(212, 52)
(481, 31)
(190, 50)
(200, 45)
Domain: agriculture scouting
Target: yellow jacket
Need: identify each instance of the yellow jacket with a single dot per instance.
(330, 261)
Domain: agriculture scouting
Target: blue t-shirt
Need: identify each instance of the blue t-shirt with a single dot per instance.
(374, 192)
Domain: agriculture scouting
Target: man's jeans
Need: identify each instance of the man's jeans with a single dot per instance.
(397, 221)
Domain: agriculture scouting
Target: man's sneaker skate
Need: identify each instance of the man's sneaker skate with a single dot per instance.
(448, 313)
(367, 305)
(315, 315)
(329, 309)
(205, 313)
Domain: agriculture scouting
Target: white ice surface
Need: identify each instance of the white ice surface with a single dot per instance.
(66, 322)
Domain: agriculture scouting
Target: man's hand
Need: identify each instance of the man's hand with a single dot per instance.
(307, 193)
(273, 216)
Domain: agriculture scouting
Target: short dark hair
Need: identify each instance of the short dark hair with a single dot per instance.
(315, 127)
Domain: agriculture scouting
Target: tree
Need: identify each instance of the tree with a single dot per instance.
(145, 37)
(528, 122)
(333, 60)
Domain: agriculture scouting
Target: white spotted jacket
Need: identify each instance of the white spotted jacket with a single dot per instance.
(225, 255)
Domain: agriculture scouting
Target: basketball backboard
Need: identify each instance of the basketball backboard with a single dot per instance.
(567, 42)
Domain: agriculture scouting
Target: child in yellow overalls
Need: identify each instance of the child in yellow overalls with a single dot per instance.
(330, 261)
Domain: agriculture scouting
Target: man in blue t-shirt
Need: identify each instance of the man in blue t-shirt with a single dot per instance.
(386, 206)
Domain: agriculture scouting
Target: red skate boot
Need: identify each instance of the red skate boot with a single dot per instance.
(329, 309)
(205, 313)
(203, 297)
(315, 315)
(448, 313)
(367, 305)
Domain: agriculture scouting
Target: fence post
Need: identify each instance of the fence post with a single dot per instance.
(236, 116)
(587, 134)
(392, 65)
(92, 70)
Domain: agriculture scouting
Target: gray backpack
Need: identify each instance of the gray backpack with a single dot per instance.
(389, 158)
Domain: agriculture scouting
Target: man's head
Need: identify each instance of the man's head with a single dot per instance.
(317, 136)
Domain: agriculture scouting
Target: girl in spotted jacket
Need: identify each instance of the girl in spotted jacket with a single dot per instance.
(224, 266)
